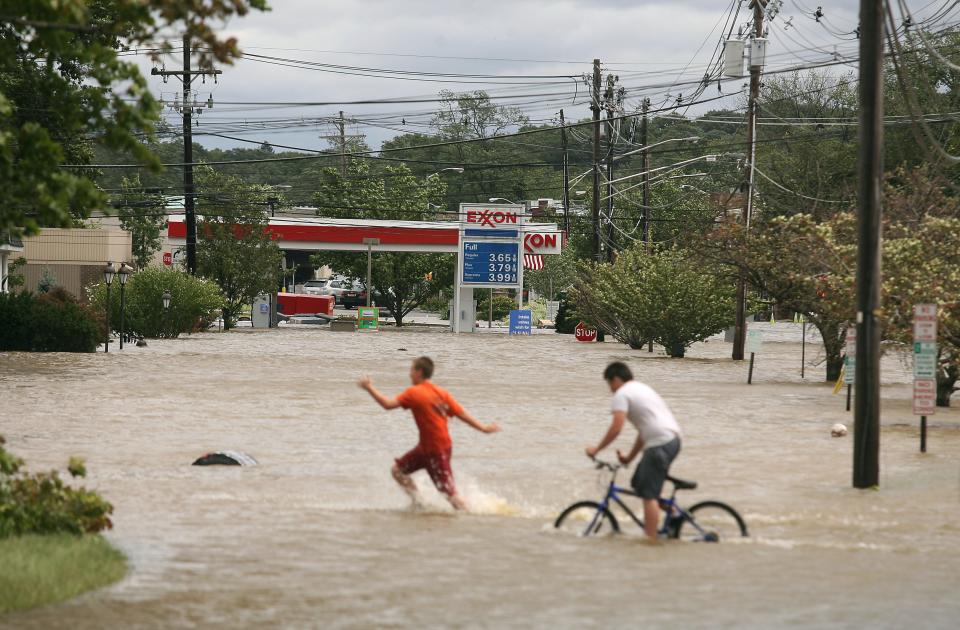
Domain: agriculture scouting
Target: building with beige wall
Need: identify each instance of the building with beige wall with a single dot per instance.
(73, 258)
(10, 249)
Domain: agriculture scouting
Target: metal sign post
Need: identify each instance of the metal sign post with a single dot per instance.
(924, 366)
(752, 345)
(370, 242)
(850, 361)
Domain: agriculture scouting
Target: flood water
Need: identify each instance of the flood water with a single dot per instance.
(318, 535)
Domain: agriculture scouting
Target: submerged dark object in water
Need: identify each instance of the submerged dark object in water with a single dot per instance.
(225, 458)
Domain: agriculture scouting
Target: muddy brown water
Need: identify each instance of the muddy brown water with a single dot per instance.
(318, 535)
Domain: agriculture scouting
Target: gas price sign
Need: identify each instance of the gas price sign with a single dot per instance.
(491, 264)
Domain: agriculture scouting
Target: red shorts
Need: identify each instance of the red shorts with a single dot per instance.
(437, 466)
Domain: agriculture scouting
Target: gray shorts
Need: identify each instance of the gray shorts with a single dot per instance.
(652, 470)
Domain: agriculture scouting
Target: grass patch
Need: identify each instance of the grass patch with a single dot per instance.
(38, 570)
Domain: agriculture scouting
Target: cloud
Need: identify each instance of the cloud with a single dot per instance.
(645, 43)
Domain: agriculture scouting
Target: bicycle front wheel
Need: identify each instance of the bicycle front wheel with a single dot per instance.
(712, 521)
(587, 518)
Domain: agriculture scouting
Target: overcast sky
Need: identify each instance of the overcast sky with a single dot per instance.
(648, 44)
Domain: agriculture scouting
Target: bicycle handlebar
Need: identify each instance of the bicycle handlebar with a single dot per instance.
(601, 464)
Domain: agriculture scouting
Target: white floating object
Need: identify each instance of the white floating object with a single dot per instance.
(838, 430)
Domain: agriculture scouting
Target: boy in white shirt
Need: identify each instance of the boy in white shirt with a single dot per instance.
(658, 436)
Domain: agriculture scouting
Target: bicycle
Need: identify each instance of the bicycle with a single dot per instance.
(707, 521)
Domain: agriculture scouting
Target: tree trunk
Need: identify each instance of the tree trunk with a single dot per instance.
(677, 351)
(946, 380)
(833, 347)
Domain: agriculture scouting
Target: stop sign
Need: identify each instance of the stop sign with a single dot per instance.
(167, 259)
(583, 333)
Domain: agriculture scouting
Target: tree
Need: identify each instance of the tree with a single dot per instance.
(472, 120)
(921, 265)
(143, 214)
(401, 280)
(803, 265)
(63, 81)
(234, 248)
(662, 296)
(922, 268)
(558, 273)
(799, 151)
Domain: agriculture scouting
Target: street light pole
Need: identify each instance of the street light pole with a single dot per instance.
(108, 272)
(165, 298)
(122, 274)
(370, 242)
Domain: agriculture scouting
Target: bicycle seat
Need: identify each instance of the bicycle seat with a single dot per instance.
(681, 484)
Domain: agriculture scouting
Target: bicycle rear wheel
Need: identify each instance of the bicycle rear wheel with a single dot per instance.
(587, 518)
(713, 521)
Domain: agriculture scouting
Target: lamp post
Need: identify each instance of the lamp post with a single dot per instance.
(693, 139)
(454, 169)
(273, 202)
(370, 242)
(122, 274)
(496, 199)
(166, 307)
(108, 272)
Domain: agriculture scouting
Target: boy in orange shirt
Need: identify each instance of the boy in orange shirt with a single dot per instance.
(431, 406)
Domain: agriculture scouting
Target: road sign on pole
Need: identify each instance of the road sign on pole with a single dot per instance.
(850, 360)
(584, 333)
(924, 366)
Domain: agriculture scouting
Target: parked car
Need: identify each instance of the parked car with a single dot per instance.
(344, 293)
(315, 287)
(353, 295)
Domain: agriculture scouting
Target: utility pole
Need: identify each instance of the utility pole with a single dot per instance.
(645, 166)
(189, 104)
(343, 146)
(566, 178)
(339, 140)
(866, 411)
(740, 326)
(608, 104)
(595, 106)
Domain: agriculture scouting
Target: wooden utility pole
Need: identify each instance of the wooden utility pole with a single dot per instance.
(189, 198)
(595, 106)
(740, 326)
(566, 176)
(343, 146)
(609, 103)
(645, 167)
(866, 411)
(339, 140)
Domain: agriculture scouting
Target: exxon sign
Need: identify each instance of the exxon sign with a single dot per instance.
(491, 217)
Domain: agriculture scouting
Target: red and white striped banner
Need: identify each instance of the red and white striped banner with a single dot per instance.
(533, 261)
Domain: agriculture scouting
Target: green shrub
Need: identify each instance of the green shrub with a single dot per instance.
(439, 305)
(538, 310)
(663, 296)
(567, 319)
(41, 503)
(194, 303)
(502, 305)
(53, 322)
